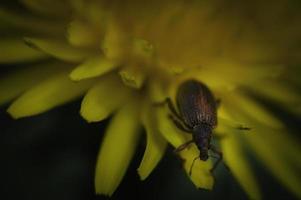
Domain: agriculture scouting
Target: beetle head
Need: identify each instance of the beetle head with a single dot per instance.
(202, 131)
(202, 135)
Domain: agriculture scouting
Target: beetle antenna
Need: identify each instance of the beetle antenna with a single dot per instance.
(190, 171)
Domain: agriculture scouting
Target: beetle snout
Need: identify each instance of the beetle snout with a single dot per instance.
(204, 156)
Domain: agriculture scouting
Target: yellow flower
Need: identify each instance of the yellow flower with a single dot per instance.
(124, 56)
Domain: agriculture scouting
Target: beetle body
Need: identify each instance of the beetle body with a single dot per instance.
(197, 108)
(196, 104)
(197, 115)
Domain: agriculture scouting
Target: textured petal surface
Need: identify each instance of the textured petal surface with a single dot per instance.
(155, 146)
(52, 92)
(15, 83)
(15, 50)
(105, 97)
(58, 49)
(92, 67)
(117, 149)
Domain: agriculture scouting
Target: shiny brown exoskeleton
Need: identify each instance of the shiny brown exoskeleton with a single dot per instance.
(197, 115)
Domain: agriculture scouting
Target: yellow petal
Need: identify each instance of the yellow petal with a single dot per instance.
(104, 98)
(15, 83)
(275, 163)
(29, 23)
(45, 7)
(133, 76)
(92, 67)
(281, 93)
(243, 73)
(225, 118)
(94, 12)
(287, 145)
(116, 42)
(156, 144)
(210, 78)
(278, 137)
(82, 35)
(240, 167)
(58, 49)
(254, 110)
(277, 91)
(117, 149)
(15, 50)
(52, 92)
(172, 134)
(156, 90)
(275, 150)
(200, 174)
(142, 48)
(224, 127)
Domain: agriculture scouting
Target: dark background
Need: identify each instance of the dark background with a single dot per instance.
(52, 156)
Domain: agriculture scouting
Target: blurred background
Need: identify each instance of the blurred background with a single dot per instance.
(53, 155)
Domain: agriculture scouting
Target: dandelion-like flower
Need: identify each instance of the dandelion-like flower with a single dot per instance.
(125, 56)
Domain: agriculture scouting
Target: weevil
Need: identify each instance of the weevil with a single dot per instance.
(198, 116)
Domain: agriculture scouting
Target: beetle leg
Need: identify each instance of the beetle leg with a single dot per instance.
(183, 146)
(172, 108)
(179, 125)
(190, 170)
(174, 112)
(219, 159)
